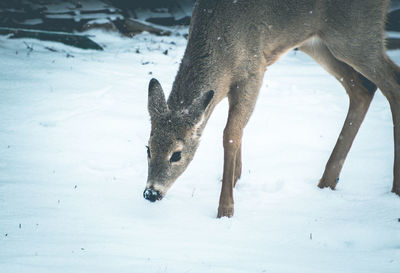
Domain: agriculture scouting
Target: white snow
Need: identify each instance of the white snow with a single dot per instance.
(73, 169)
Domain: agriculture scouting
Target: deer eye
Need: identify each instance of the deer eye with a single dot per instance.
(148, 152)
(175, 157)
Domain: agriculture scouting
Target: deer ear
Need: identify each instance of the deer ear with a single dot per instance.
(200, 105)
(156, 103)
(207, 97)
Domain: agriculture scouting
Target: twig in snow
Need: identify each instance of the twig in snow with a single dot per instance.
(29, 48)
(50, 49)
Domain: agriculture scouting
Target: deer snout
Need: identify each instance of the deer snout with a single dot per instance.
(152, 195)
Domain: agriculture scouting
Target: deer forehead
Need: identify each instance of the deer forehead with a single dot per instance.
(177, 126)
(165, 141)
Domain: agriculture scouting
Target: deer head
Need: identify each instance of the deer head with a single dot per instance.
(173, 141)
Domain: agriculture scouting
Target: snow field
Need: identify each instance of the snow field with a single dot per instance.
(73, 168)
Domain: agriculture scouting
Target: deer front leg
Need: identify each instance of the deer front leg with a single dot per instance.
(230, 149)
(238, 165)
(232, 172)
(242, 100)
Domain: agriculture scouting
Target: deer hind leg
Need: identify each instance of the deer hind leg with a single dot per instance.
(360, 91)
(369, 58)
(242, 99)
(387, 77)
(393, 95)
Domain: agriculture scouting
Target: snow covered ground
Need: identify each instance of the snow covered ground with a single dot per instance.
(73, 130)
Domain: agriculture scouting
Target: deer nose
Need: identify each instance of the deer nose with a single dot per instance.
(152, 195)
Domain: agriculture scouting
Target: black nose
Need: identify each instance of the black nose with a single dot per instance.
(152, 195)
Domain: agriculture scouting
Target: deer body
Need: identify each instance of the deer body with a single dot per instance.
(230, 45)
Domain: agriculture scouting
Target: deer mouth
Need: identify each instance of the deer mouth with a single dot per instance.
(152, 195)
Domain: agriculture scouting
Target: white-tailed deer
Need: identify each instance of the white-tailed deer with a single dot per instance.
(231, 43)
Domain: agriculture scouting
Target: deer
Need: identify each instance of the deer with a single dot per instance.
(230, 46)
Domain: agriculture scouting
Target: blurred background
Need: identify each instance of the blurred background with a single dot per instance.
(125, 17)
(75, 15)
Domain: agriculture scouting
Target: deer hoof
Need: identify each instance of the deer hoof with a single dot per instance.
(225, 211)
(328, 183)
(396, 191)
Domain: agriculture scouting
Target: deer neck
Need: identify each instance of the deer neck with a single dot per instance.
(197, 74)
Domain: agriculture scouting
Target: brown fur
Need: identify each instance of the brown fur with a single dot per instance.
(231, 44)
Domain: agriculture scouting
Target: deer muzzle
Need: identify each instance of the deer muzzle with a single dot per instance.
(152, 195)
